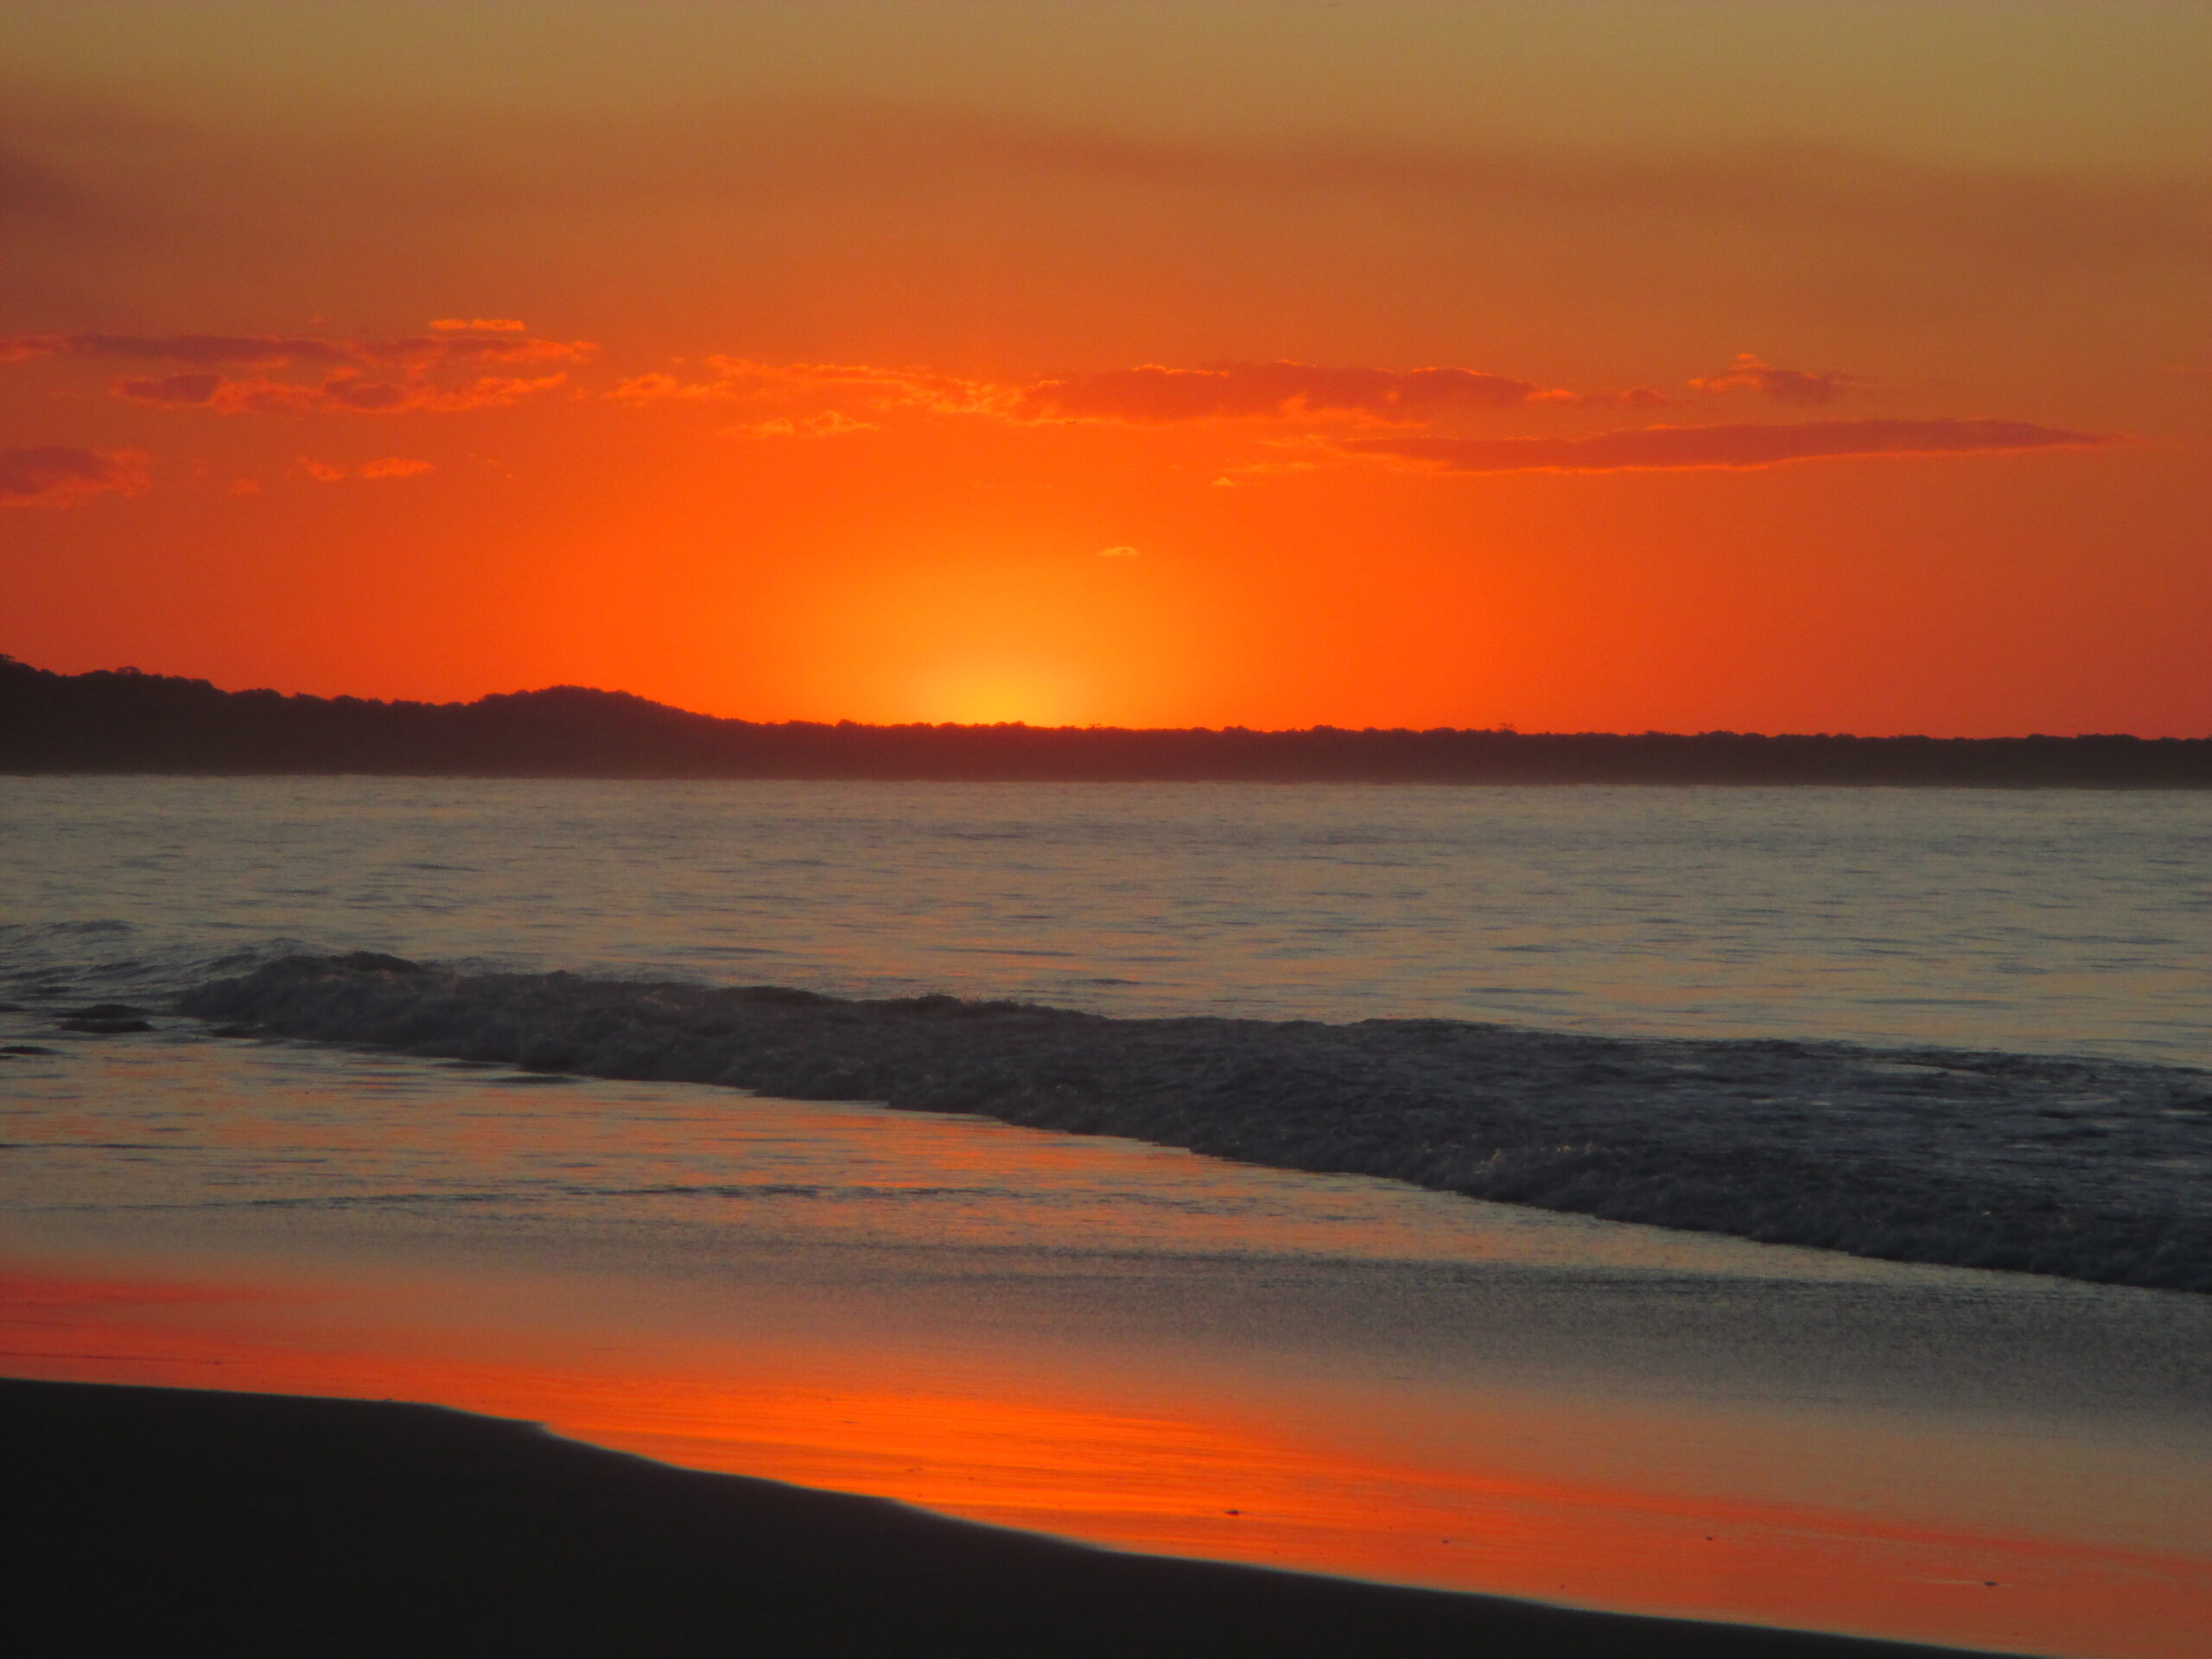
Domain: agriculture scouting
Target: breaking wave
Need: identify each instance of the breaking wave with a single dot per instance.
(2087, 1169)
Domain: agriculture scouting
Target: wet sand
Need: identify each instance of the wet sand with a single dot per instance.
(150, 1519)
(1120, 1345)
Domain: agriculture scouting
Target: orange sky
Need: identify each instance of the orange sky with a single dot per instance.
(1775, 366)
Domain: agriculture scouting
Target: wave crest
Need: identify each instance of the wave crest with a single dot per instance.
(2086, 1169)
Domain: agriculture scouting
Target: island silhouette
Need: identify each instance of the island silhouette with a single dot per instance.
(123, 721)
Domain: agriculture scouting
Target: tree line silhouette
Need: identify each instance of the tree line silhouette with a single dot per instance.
(123, 721)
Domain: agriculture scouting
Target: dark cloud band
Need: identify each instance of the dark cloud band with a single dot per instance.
(1680, 447)
(62, 475)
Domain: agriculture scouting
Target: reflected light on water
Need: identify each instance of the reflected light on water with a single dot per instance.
(1161, 1460)
(1123, 1344)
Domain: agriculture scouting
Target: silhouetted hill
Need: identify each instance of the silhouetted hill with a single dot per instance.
(122, 720)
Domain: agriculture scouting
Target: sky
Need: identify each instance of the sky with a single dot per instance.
(1775, 364)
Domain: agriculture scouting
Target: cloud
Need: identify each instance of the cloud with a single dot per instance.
(491, 346)
(1155, 394)
(324, 472)
(742, 379)
(480, 324)
(21, 348)
(1748, 373)
(1117, 553)
(658, 388)
(482, 342)
(436, 373)
(1808, 199)
(1149, 394)
(418, 374)
(58, 475)
(179, 391)
(829, 423)
(347, 393)
(1235, 475)
(333, 200)
(1680, 447)
(249, 351)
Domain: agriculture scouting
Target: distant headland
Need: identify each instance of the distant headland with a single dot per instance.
(123, 721)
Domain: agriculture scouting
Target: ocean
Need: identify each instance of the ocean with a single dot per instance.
(1126, 1343)
(2048, 922)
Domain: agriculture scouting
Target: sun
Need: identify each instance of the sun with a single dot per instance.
(985, 694)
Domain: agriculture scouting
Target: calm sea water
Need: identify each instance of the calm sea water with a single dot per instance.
(2054, 921)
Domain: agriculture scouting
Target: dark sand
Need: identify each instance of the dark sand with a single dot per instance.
(155, 1521)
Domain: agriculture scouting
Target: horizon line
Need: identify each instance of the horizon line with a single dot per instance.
(1319, 728)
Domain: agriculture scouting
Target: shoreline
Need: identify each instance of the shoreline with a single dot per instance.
(2075, 1169)
(273, 1522)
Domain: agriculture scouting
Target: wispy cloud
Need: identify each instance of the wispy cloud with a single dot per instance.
(732, 379)
(1314, 398)
(1148, 394)
(1155, 393)
(440, 372)
(829, 424)
(1680, 447)
(387, 467)
(61, 475)
(248, 350)
(1748, 374)
(457, 342)
(338, 394)
(1257, 469)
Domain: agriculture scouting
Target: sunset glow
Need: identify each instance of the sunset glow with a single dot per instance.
(1601, 366)
(1410, 791)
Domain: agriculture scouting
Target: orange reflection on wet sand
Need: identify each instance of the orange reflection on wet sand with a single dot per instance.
(1186, 1471)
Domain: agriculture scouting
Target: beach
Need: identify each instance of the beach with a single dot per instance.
(1181, 1232)
(1125, 1345)
(150, 1519)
